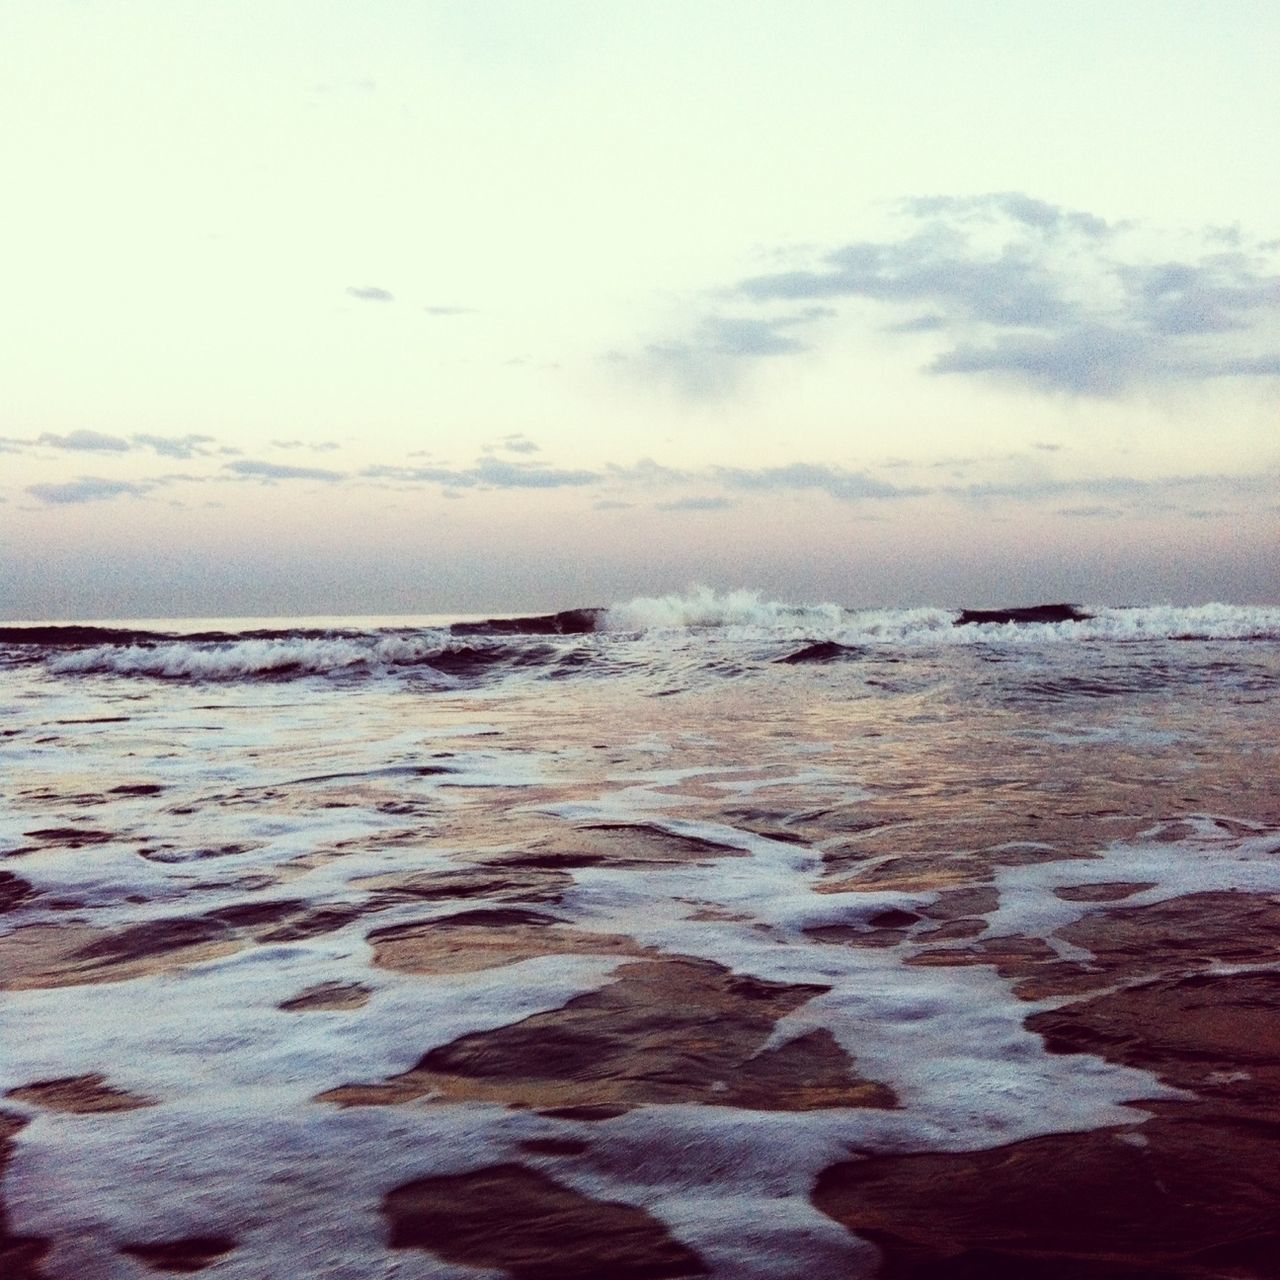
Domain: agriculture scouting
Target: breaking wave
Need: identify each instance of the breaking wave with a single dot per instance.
(184, 659)
(699, 630)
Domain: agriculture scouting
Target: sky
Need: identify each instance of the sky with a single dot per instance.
(402, 306)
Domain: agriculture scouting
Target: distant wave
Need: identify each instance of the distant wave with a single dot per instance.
(741, 628)
(747, 611)
(284, 656)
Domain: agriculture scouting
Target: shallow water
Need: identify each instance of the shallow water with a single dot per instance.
(306, 935)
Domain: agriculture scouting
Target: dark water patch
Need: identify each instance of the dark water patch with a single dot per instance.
(503, 885)
(328, 995)
(468, 660)
(573, 663)
(1178, 1198)
(314, 924)
(893, 919)
(677, 1030)
(170, 853)
(79, 1095)
(492, 918)
(142, 941)
(13, 891)
(649, 842)
(1027, 613)
(390, 771)
(591, 1113)
(137, 789)
(19, 1255)
(643, 1038)
(247, 914)
(772, 824)
(516, 1220)
(568, 622)
(1215, 1034)
(1106, 891)
(69, 837)
(550, 860)
(554, 1146)
(823, 651)
(186, 1255)
(495, 918)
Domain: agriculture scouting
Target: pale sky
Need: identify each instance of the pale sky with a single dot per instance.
(326, 306)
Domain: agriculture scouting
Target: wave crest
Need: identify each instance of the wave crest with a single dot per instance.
(248, 659)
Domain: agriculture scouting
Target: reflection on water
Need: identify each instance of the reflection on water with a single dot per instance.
(714, 960)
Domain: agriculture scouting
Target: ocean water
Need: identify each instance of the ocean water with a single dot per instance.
(732, 912)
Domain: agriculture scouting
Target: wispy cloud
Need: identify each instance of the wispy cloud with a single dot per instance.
(86, 489)
(315, 446)
(188, 446)
(84, 442)
(837, 482)
(1010, 287)
(519, 443)
(696, 504)
(370, 293)
(487, 473)
(1096, 512)
(711, 360)
(268, 472)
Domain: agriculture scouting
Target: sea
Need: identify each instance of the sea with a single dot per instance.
(703, 935)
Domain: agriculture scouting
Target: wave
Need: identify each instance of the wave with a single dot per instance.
(701, 607)
(193, 658)
(76, 635)
(746, 612)
(698, 631)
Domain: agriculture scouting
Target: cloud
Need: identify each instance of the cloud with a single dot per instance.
(711, 360)
(85, 442)
(1168, 493)
(188, 446)
(268, 472)
(488, 473)
(517, 442)
(1091, 360)
(86, 489)
(1217, 295)
(1014, 206)
(1008, 287)
(450, 311)
(370, 293)
(838, 483)
(1092, 513)
(929, 323)
(696, 504)
(321, 446)
(519, 475)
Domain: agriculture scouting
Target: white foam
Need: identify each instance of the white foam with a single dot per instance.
(748, 613)
(238, 659)
(701, 607)
(237, 1145)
